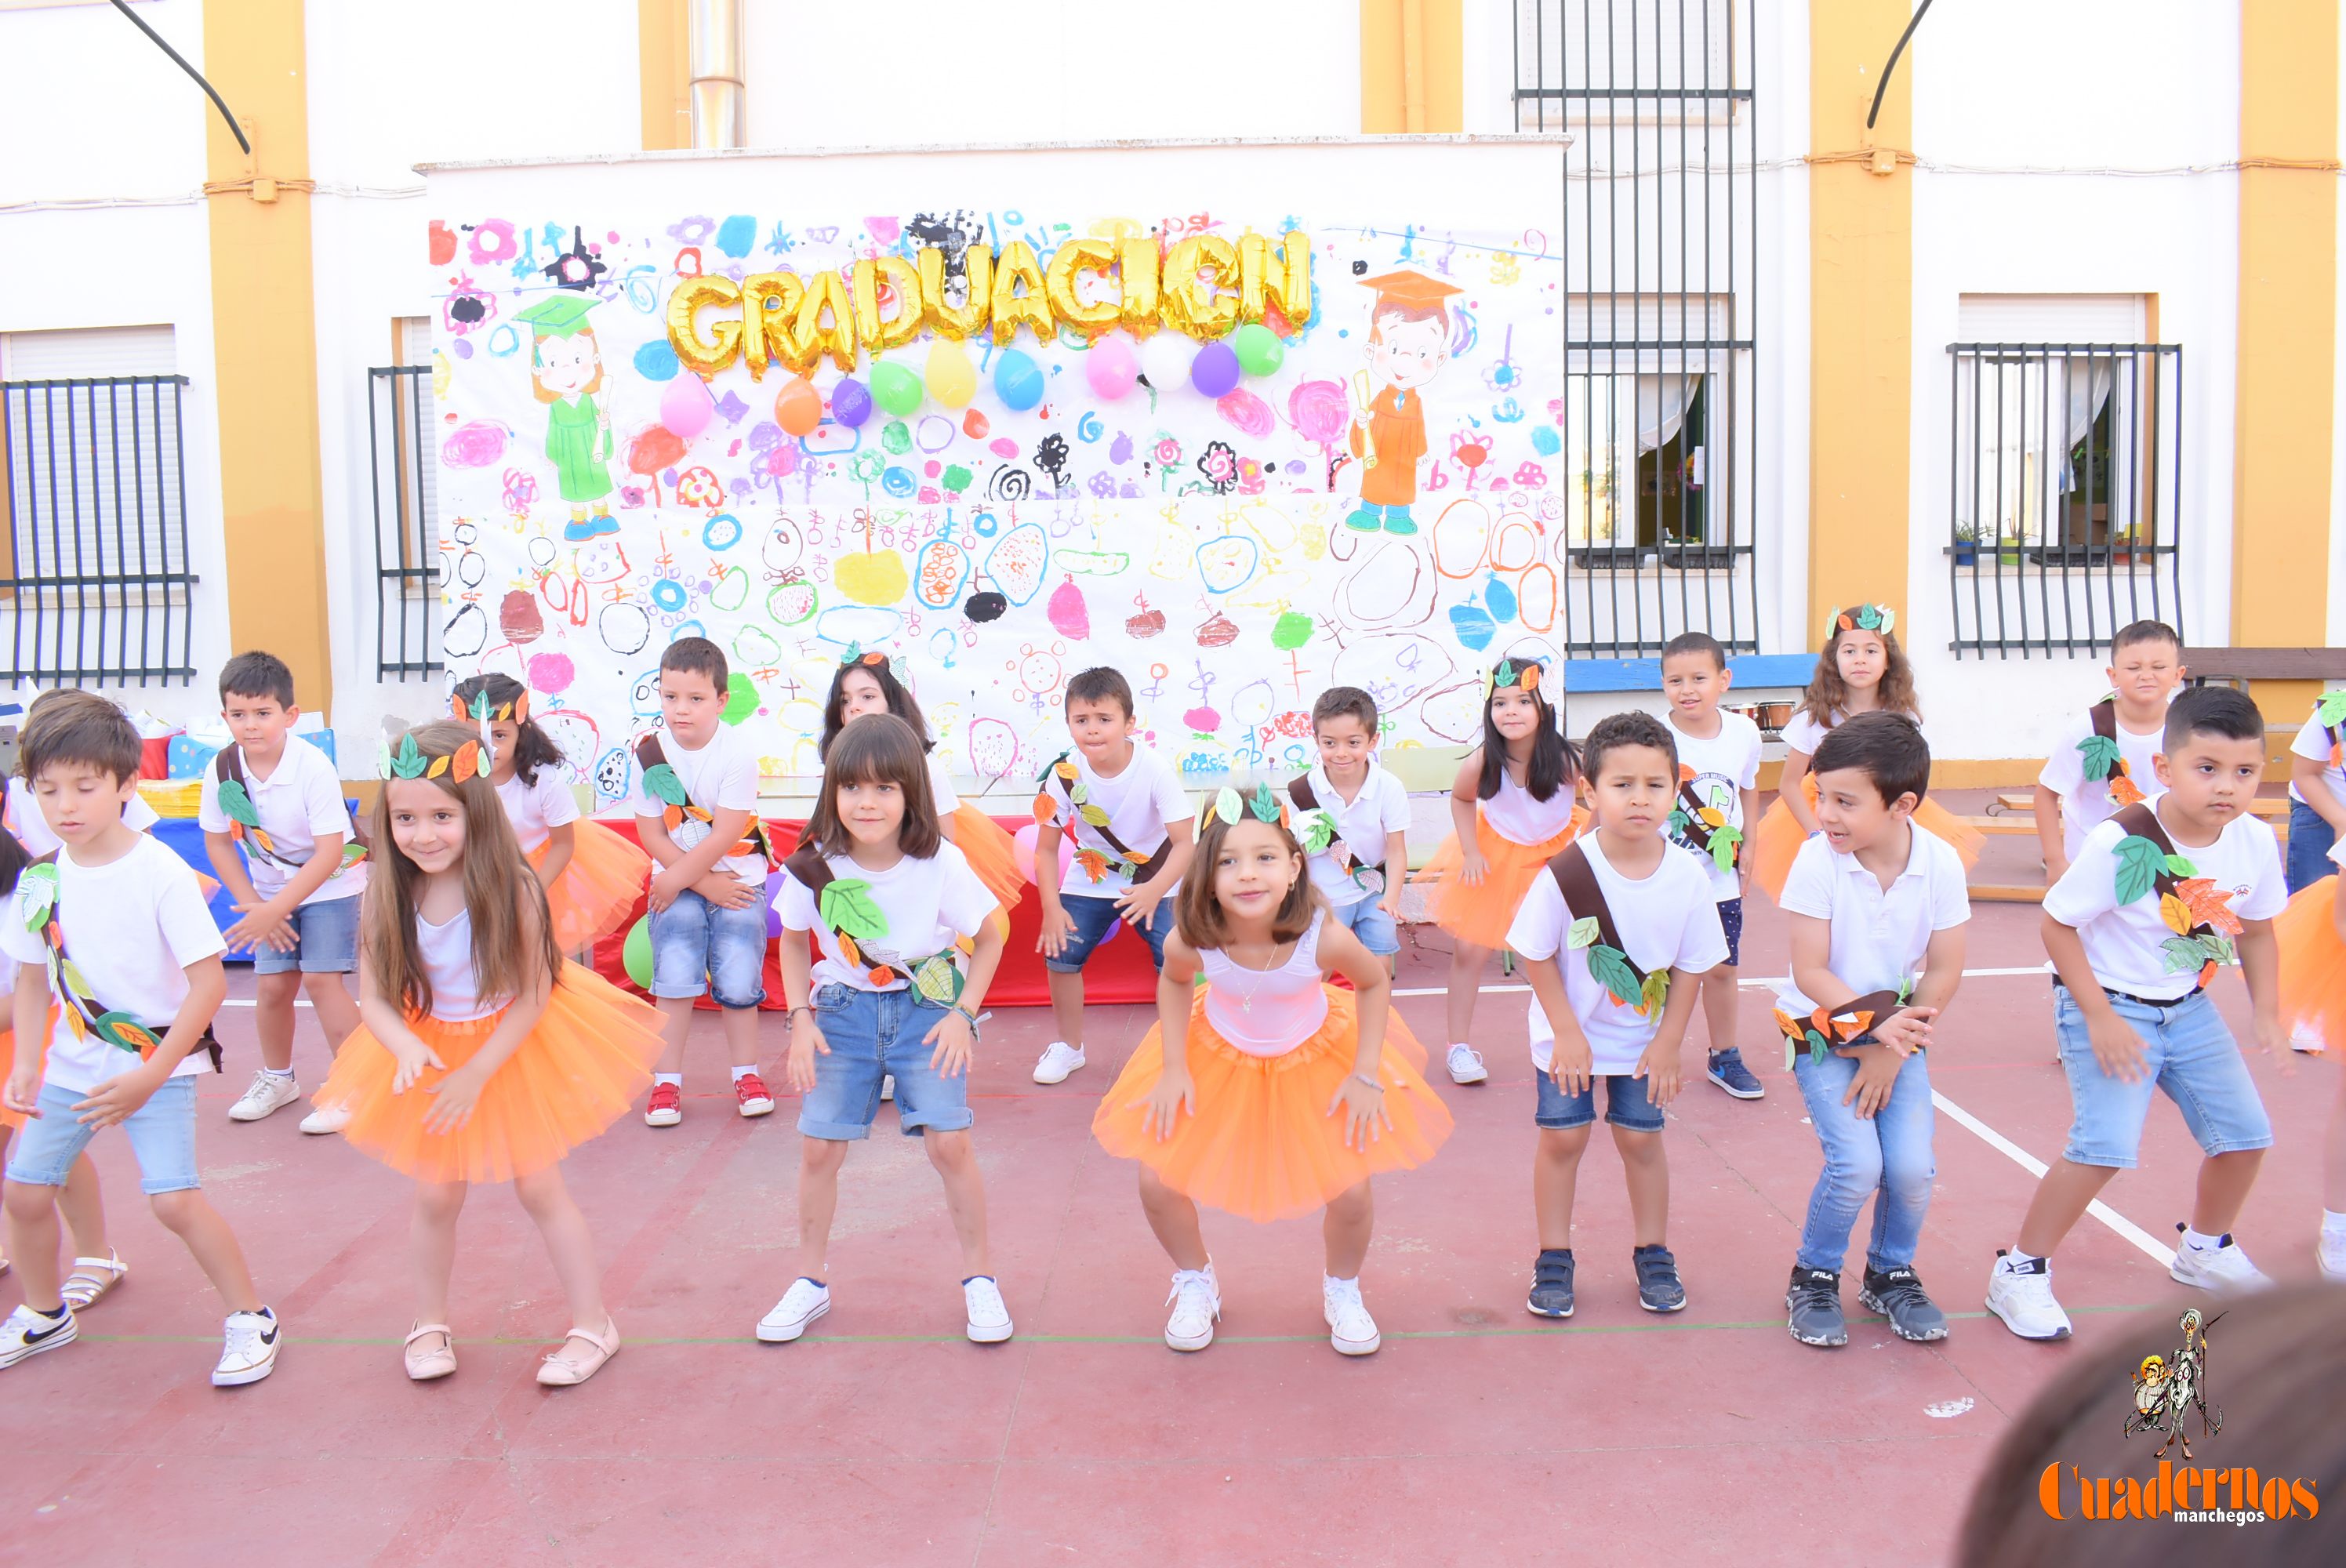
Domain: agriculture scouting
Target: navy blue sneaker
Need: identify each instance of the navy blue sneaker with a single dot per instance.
(1551, 1294)
(1658, 1290)
(1728, 1071)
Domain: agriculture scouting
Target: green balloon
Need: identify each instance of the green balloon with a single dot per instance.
(1259, 349)
(896, 389)
(638, 953)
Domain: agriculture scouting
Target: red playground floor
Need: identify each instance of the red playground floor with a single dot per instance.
(1479, 1434)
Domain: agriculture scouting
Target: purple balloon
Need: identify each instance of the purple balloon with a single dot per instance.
(851, 403)
(1215, 370)
(774, 879)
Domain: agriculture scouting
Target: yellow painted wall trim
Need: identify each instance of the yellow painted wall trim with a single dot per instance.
(1412, 65)
(664, 75)
(264, 341)
(1861, 305)
(2284, 399)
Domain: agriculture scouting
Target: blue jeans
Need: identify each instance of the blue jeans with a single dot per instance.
(162, 1134)
(326, 940)
(1096, 920)
(1627, 1104)
(1887, 1159)
(698, 947)
(2188, 1052)
(2309, 837)
(1368, 921)
(872, 1034)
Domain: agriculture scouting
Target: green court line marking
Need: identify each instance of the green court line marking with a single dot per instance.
(1528, 1331)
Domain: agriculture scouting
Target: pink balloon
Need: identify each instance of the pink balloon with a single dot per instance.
(1022, 851)
(685, 406)
(1111, 368)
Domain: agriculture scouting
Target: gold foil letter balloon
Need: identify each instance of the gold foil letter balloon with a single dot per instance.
(703, 355)
(1086, 321)
(1284, 282)
(1017, 265)
(940, 315)
(1135, 271)
(812, 337)
(1194, 304)
(769, 301)
(904, 282)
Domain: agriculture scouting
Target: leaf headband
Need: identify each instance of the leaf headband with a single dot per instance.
(1509, 675)
(855, 656)
(1861, 617)
(411, 761)
(1314, 829)
(484, 713)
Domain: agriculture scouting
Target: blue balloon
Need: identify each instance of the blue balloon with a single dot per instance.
(851, 403)
(1017, 380)
(1216, 369)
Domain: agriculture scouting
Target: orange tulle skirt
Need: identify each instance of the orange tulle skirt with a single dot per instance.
(1481, 912)
(989, 852)
(2312, 964)
(8, 1118)
(579, 1071)
(598, 890)
(1780, 836)
(1262, 1145)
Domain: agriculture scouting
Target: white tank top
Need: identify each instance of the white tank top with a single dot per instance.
(1267, 1011)
(446, 952)
(1517, 817)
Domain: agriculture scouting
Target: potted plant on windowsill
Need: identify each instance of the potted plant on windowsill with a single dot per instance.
(1965, 549)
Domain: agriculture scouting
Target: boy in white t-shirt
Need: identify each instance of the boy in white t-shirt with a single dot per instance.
(2159, 898)
(1718, 801)
(276, 803)
(2316, 790)
(2103, 759)
(117, 933)
(1362, 871)
(1877, 908)
(1614, 936)
(696, 806)
(1131, 826)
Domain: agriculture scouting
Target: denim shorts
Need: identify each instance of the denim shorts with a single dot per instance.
(326, 940)
(872, 1034)
(2309, 837)
(1627, 1104)
(2188, 1052)
(1731, 921)
(1096, 920)
(162, 1134)
(698, 946)
(1368, 921)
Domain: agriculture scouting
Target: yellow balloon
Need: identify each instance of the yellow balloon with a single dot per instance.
(904, 282)
(769, 301)
(704, 356)
(811, 338)
(1086, 321)
(1192, 305)
(1135, 273)
(953, 380)
(1284, 282)
(1017, 265)
(938, 313)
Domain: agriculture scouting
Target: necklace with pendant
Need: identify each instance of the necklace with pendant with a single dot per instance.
(1246, 998)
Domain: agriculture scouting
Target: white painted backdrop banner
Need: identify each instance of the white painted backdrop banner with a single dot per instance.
(1234, 552)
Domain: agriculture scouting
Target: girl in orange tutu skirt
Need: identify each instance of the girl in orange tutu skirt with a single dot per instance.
(594, 878)
(1267, 1093)
(97, 1269)
(482, 1056)
(1512, 810)
(2312, 936)
(1860, 669)
(867, 684)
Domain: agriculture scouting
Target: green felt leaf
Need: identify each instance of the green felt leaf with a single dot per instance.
(938, 979)
(409, 761)
(1906, 990)
(1316, 830)
(1226, 806)
(1675, 823)
(2217, 948)
(1869, 618)
(72, 977)
(2331, 710)
(1080, 793)
(2139, 862)
(1610, 967)
(848, 906)
(1656, 992)
(481, 709)
(1093, 815)
(661, 784)
(2177, 866)
(1584, 933)
(1724, 842)
(37, 891)
(2100, 753)
(1505, 675)
(124, 1033)
(237, 805)
(1818, 1046)
(2180, 954)
(1265, 805)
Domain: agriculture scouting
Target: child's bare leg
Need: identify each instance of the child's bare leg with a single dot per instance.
(189, 1215)
(675, 1022)
(272, 1017)
(1466, 962)
(1067, 1006)
(546, 1199)
(1351, 1217)
(338, 1013)
(32, 1242)
(741, 1036)
(432, 1246)
(85, 1214)
(955, 1159)
(2223, 1183)
(1555, 1176)
(2060, 1202)
(1173, 1220)
(1648, 1170)
(818, 1163)
(1718, 995)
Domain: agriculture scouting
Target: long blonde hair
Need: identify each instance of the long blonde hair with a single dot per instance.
(513, 932)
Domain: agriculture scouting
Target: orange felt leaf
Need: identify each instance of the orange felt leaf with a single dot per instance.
(2208, 972)
(468, 760)
(1856, 1024)
(672, 818)
(456, 705)
(1849, 623)
(2176, 913)
(1043, 810)
(520, 708)
(1530, 678)
(1094, 863)
(848, 950)
(2208, 903)
(236, 829)
(2123, 792)
(700, 814)
(1686, 774)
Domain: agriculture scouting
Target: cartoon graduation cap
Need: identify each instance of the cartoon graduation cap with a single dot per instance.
(1410, 294)
(557, 316)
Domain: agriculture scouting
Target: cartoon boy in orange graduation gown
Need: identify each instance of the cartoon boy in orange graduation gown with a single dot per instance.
(1409, 342)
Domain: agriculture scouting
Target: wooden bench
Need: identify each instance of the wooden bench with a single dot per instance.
(2264, 663)
(2273, 809)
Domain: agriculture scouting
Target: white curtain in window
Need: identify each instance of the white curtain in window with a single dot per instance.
(2088, 388)
(1661, 407)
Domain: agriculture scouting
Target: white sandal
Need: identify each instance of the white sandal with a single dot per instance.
(92, 1281)
(558, 1372)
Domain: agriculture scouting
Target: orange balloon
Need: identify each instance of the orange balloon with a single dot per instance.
(798, 407)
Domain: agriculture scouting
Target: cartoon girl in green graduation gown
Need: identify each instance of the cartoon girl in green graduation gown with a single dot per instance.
(566, 367)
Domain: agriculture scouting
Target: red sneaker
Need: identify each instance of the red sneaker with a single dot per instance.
(666, 1109)
(751, 1091)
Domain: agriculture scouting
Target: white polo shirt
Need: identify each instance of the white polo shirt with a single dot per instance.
(2126, 942)
(2086, 802)
(2313, 743)
(1879, 934)
(1362, 825)
(299, 800)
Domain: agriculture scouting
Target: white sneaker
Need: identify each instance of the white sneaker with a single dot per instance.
(2306, 1040)
(1350, 1328)
(1197, 1302)
(249, 1350)
(2330, 1256)
(326, 1119)
(1466, 1064)
(2022, 1295)
(269, 1092)
(1059, 1059)
(28, 1333)
(989, 1320)
(2227, 1268)
(800, 1304)
(887, 1087)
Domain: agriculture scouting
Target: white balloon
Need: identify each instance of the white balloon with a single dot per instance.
(1165, 361)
